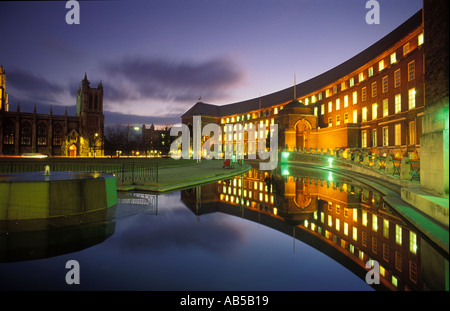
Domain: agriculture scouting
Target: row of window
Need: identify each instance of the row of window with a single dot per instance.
(412, 136)
(370, 72)
(26, 134)
(374, 109)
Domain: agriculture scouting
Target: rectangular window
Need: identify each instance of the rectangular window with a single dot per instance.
(335, 89)
(345, 101)
(338, 120)
(397, 78)
(345, 228)
(355, 233)
(385, 84)
(413, 271)
(316, 111)
(319, 96)
(386, 252)
(355, 116)
(398, 134)
(364, 217)
(385, 136)
(385, 107)
(338, 104)
(374, 138)
(374, 222)
(364, 239)
(406, 49)
(370, 71)
(306, 101)
(374, 111)
(398, 261)
(412, 132)
(313, 99)
(374, 89)
(327, 93)
(322, 109)
(330, 122)
(364, 94)
(343, 86)
(364, 114)
(374, 245)
(420, 39)
(393, 57)
(398, 103)
(398, 234)
(345, 118)
(412, 242)
(355, 97)
(381, 65)
(361, 77)
(364, 144)
(412, 98)
(351, 82)
(355, 215)
(411, 70)
(330, 107)
(338, 224)
(386, 228)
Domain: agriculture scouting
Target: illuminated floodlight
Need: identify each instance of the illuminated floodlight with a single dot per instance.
(284, 155)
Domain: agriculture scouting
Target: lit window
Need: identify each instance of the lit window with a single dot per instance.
(345, 101)
(412, 98)
(361, 77)
(316, 111)
(385, 84)
(330, 107)
(412, 132)
(374, 138)
(386, 228)
(370, 71)
(374, 111)
(327, 93)
(330, 221)
(398, 234)
(335, 89)
(364, 145)
(343, 86)
(345, 228)
(338, 104)
(374, 89)
(364, 114)
(275, 111)
(394, 281)
(374, 222)
(385, 107)
(420, 39)
(320, 96)
(393, 57)
(330, 122)
(338, 224)
(351, 82)
(398, 103)
(412, 242)
(385, 136)
(397, 78)
(364, 94)
(406, 49)
(355, 215)
(411, 70)
(306, 101)
(364, 217)
(338, 120)
(322, 109)
(313, 99)
(398, 133)
(381, 65)
(355, 97)
(355, 233)
(355, 116)
(345, 118)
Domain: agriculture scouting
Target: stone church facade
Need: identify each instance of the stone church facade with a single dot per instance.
(54, 135)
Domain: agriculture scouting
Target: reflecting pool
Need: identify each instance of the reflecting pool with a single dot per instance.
(300, 229)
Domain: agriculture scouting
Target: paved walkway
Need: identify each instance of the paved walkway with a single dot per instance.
(180, 177)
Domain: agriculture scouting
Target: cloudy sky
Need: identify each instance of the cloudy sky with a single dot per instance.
(155, 58)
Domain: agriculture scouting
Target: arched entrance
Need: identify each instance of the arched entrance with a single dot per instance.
(72, 151)
(302, 128)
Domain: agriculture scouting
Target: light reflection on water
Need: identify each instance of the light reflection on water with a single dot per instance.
(239, 234)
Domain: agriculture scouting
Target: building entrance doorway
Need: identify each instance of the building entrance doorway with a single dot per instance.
(72, 151)
(302, 129)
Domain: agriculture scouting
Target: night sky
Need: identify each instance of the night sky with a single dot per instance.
(156, 58)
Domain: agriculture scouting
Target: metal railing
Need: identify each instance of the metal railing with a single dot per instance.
(124, 172)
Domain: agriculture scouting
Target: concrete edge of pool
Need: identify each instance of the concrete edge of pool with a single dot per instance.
(36, 195)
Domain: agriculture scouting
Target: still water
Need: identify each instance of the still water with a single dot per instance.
(292, 231)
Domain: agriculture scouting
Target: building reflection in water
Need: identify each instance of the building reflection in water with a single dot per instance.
(342, 218)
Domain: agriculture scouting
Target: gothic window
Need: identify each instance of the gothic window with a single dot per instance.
(96, 103)
(90, 102)
(42, 134)
(8, 133)
(25, 134)
(57, 135)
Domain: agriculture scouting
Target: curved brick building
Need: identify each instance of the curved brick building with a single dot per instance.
(374, 100)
